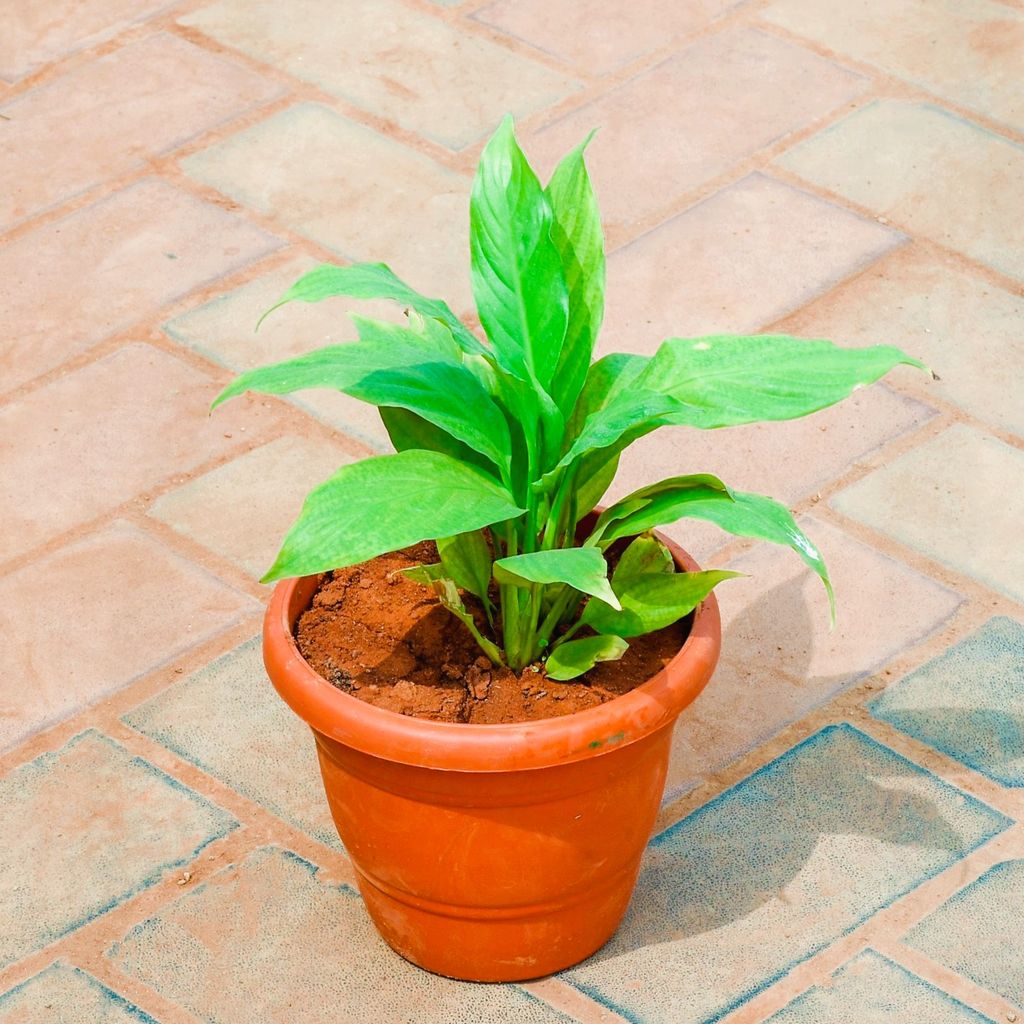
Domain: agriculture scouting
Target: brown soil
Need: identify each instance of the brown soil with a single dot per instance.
(387, 641)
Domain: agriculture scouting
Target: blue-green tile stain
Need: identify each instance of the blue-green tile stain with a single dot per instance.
(86, 828)
(978, 932)
(62, 994)
(773, 870)
(268, 940)
(871, 989)
(228, 720)
(968, 702)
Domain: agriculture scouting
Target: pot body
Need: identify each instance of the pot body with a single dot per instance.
(493, 853)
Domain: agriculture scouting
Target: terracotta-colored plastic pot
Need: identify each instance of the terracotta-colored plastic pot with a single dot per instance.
(493, 852)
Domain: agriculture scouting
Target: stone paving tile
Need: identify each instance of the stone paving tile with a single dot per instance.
(446, 83)
(966, 329)
(67, 995)
(968, 702)
(114, 825)
(873, 990)
(352, 190)
(263, 938)
(109, 265)
(139, 101)
(67, 619)
(618, 35)
(753, 252)
(939, 499)
(224, 330)
(36, 34)
(977, 933)
(87, 442)
(228, 719)
(243, 509)
(693, 117)
(927, 170)
(967, 51)
(773, 870)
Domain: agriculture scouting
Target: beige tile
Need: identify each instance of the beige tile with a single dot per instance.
(224, 330)
(967, 51)
(242, 509)
(435, 78)
(350, 189)
(89, 619)
(734, 263)
(958, 498)
(667, 131)
(107, 117)
(102, 435)
(37, 33)
(80, 279)
(966, 329)
(927, 171)
(600, 38)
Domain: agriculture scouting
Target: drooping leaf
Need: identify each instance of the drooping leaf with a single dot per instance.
(578, 567)
(467, 560)
(386, 503)
(425, 574)
(576, 232)
(652, 601)
(373, 281)
(449, 596)
(431, 335)
(725, 380)
(645, 554)
(516, 271)
(574, 657)
(385, 372)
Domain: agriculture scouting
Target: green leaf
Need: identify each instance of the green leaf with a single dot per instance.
(425, 574)
(385, 372)
(449, 596)
(646, 554)
(606, 378)
(574, 657)
(386, 503)
(409, 431)
(430, 335)
(373, 281)
(576, 232)
(578, 567)
(652, 601)
(725, 380)
(595, 475)
(467, 560)
(657, 504)
(516, 271)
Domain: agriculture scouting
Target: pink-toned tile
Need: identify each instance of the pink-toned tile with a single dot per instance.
(95, 615)
(38, 33)
(110, 115)
(751, 253)
(967, 51)
(354, 191)
(693, 117)
(100, 436)
(242, 509)
(965, 328)
(433, 77)
(223, 329)
(600, 38)
(78, 280)
(789, 461)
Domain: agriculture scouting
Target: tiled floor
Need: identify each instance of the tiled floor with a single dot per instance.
(843, 834)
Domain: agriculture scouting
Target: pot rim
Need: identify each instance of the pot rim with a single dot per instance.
(457, 746)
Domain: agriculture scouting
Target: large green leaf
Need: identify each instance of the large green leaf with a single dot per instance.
(725, 380)
(409, 431)
(467, 560)
(385, 503)
(516, 271)
(578, 567)
(645, 554)
(444, 393)
(576, 232)
(373, 281)
(574, 657)
(652, 601)
(605, 379)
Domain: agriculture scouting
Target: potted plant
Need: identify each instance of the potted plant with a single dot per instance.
(499, 852)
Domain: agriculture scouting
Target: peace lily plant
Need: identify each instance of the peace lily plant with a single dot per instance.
(502, 448)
